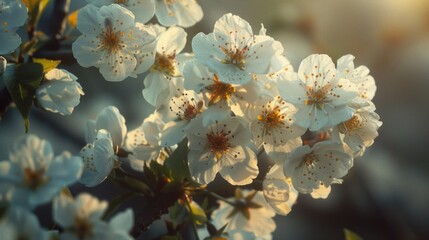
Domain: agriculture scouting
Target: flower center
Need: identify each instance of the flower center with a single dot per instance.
(219, 90)
(34, 178)
(235, 57)
(110, 40)
(317, 97)
(309, 159)
(82, 228)
(191, 111)
(271, 117)
(165, 63)
(218, 143)
(350, 125)
(121, 1)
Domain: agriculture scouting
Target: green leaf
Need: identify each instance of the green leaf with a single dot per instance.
(22, 81)
(200, 216)
(349, 235)
(47, 64)
(35, 10)
(116, 202)
(177, 163)
(177, 214)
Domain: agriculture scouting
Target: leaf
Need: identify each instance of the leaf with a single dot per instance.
(72, 18)
(116, 202)
(35, 10)
(200, 216)
(349, 235)
(177, 163)
(47, 64)
(22, 81)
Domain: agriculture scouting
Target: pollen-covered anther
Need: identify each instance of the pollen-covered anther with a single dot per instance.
(309, 159)
(235, 57)
(191, 111)
(218, 143)
(165, 63)
(318, 97)
(219, 90)
(272, 118)
(352, 124)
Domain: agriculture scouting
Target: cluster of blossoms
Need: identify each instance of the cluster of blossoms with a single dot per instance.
(233, 98)
(34, 176)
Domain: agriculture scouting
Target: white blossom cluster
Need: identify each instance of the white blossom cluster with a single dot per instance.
(34, 176)
(233, 98)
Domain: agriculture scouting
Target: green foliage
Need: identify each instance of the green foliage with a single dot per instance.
(47, 64)
(177, 163)
(22, 81)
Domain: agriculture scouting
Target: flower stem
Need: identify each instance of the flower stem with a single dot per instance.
(194, 226)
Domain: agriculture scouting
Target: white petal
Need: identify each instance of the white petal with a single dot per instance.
(239, 166)
(202, 166)
(172, 41)
(315, 65)
(111, 119)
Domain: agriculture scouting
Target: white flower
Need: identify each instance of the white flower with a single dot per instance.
(165, 71)
(278, 190)
(183, 13)
(13, 14)
(360, 131)
(35, 174)
(110, 40)
(143, 10)
(59, 92)
(19, 223)
(323, 164)
(221, 98)
(146, 56)
(110, 119)
(223, 147)
(98, 158)
(273, 126)
(234, 53)
(144, 143)
(185, 108)
(81, 219)
(250, 213)
(321, 98)
(365, 83)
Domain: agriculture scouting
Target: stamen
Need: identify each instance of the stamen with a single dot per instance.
(218, 143)
(109, 39)
(219, 91)
(34, 178)
(236, 58)
(317, 97)
(165, 63)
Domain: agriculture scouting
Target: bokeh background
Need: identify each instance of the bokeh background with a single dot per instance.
(386, 193)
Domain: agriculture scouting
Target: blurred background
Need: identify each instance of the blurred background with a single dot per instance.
(386, 193)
